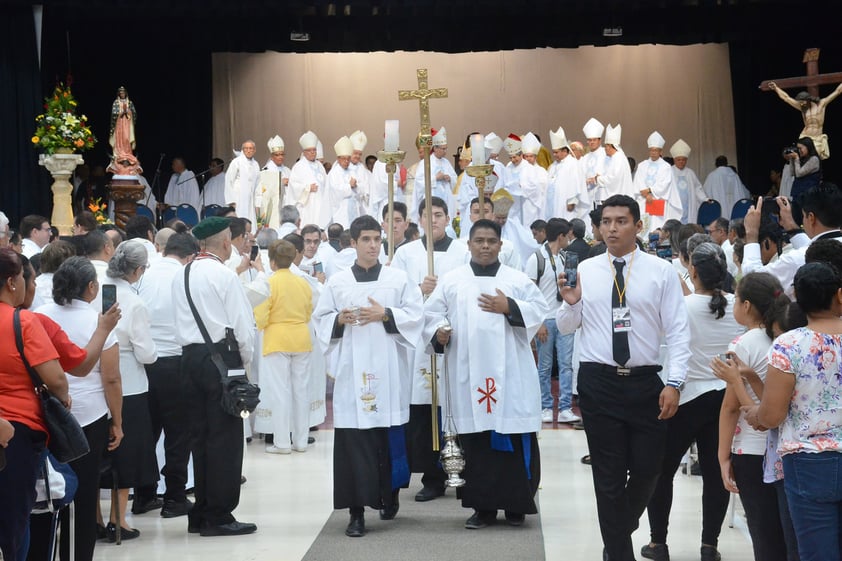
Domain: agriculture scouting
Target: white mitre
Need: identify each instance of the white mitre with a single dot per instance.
(275, 144)
(440, 137)
(613, 134)
(530, 144)
(512, 144)
(308, 140)
(343, 147)
(680, 149)
(358, 140)
(593, 129)
(493, 143)
(558, 139)
(655, 140)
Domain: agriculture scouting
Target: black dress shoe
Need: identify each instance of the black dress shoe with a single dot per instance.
(428, 493)
(125, 533)
(231, 529)
(141, 506)
(193, 525)
(481, 519)
(174, 509)
(243, 480)
(101, 532)
(356, 527)
(389, 513)
(311, 440)
(515, 518)
(586, 460)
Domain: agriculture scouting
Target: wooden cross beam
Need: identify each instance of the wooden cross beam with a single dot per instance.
(811, 81)
(423, 94)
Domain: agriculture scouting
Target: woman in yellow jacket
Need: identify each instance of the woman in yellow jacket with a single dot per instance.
(286, 349)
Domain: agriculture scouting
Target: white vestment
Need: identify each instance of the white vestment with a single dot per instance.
(533, 184)
(314, 206)
(412, 259)
(271, 194)
(724, 185)
(370, 365)
(593, 164)
(214, 191)
(616, 179)
(511, 182)
(493, 377)
(690, 192)
(440, 188)
(568, 188)
(657, 176)
(183, 188)
(346, 202)
(240, 183)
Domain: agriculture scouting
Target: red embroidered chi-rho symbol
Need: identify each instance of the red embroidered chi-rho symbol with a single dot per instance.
(488, 394)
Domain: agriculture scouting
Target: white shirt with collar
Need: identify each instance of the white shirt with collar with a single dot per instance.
(657, 308)
(29, 248)
(548, 283)
(785, 267)
(135, 338)
(156, 292)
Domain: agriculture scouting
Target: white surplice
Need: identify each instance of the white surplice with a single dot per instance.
(313, 206)
(657, 176)
(370, 366)
(440, 188)
(690, 192)
(346, 202)
(240, 183)
(183, 188)
(533, 184)
(568, 188)
(616, 179)
(493, 377)
(724, 185)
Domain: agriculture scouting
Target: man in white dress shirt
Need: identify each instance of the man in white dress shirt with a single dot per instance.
(273, 184)
(688, 185)
(567, 194)
(183, 187)
(653, 184)
(625, 302)
(213, 193)
(724, 185)
(308, 184)
(35, 234)
(241, 181)
(216, 436)
(533, 182)
(616, 179)
(442, 174)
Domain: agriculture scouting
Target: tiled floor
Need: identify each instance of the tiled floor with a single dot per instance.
(289, 497)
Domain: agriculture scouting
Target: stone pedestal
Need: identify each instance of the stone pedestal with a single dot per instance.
(125, 191)
(61, 167)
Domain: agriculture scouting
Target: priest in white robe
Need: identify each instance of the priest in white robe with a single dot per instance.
(372, 195)
(241, 181)
(213, 193)
(466, 187)
(493, 145)
(593, 163)
(511, 176)
(448, 254)
(273, 185)
(370, 318)
(686, 183)
(567, 194)
(442, 174)
(308, 184)
(182, 187)
(617, 178)
(653, 184)
(514, 234)
(533, 182)
(724, 185)
(494, 394)
(346, 202)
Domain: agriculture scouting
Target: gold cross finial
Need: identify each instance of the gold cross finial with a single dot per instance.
(423, 94)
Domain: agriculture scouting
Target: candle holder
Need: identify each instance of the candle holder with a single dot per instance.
(391, 159)
(480, 173)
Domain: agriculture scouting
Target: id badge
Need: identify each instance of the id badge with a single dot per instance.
(621, 316)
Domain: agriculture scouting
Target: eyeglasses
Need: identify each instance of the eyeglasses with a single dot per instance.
(312, 242)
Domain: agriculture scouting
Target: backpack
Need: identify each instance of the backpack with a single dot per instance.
(542, 264)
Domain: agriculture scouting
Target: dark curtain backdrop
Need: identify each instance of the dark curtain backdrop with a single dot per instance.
(161, 51)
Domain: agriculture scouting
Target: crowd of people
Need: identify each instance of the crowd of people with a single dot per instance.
(723, 335)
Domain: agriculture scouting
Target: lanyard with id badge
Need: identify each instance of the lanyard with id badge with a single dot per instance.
(620, 312)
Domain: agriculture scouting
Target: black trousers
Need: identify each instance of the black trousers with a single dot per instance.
(216, 440)
(17, 487)
(419, 442)
(626, 442)
(760, 502)
(168, 409)
(696, 420)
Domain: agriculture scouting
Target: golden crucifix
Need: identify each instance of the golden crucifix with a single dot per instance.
(423, 94)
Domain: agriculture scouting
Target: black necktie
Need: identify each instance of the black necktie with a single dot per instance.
(620, 340)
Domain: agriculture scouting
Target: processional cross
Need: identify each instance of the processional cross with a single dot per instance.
(424, 94)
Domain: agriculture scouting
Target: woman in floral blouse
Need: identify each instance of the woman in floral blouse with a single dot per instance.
(802, 395)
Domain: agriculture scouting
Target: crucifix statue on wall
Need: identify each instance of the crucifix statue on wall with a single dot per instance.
(812, 107)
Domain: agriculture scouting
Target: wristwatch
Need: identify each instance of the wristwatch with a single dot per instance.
(678, 385)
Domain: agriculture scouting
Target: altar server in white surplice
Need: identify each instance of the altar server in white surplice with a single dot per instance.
(593, 163)
(686, 183)
(494, 311)
(653, 183)
(345, 191)
(241, 181)
(617, 178)
(370, 318)
(183, 187)
(570, 197)
(448, 254)
(533, 181)
(442, 174)
(273, 184)
(307, 184)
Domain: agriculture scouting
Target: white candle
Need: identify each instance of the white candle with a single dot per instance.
(392, 136)
(477, 149)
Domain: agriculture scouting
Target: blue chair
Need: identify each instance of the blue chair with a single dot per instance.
(169, 214)
(709, 211)
(210, 210)
(741, 208)
(143, 210)
(187, 214)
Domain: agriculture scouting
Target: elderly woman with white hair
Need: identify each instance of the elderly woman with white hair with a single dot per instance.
(134, 463)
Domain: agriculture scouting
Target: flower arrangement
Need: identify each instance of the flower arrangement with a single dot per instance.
(99, 209)
(59, 127)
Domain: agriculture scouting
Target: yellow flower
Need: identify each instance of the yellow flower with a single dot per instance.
(35, 140)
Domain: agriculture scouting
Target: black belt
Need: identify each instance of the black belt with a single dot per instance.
(622, 370)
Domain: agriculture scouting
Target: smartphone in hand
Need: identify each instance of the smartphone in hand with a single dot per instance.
(109, 296)
(255, 251)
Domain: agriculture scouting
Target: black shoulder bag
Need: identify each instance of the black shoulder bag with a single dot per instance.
(67, 439)
(239, 396)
